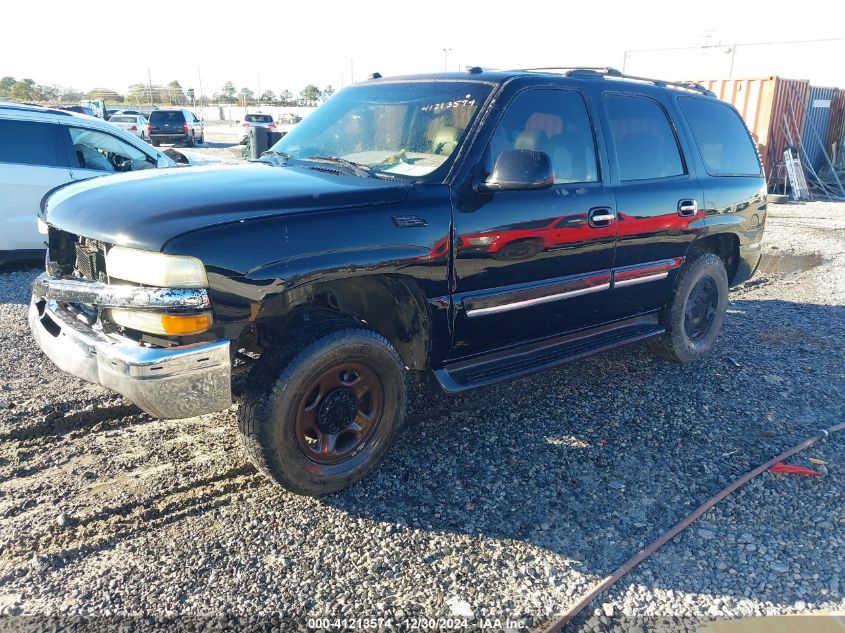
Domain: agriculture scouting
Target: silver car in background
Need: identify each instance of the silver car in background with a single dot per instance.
(132, 123)
(255, 120)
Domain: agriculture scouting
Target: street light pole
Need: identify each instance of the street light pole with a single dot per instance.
(446, 59)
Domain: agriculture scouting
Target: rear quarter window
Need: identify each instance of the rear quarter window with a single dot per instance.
(723, 141)
(27, 143)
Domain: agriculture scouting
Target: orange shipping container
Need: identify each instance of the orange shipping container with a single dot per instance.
(764, 104)
(836, 129)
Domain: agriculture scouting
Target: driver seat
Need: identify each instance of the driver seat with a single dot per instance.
(90, 158)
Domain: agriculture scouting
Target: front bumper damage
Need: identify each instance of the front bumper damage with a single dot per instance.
(174, 382)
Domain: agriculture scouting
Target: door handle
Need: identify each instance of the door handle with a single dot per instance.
(601, 217)
(687, 207)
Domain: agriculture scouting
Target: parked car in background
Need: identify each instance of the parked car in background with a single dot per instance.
(255, 120)
(96, 106)
(75, 108)
(606, 210)
(44, 148)
(288, 118)
(136, 112)
(133, 123)
(176, 125)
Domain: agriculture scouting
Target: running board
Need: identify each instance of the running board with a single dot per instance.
(532, 357)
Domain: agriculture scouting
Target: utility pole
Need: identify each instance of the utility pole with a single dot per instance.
(351, 71)
(199, 76)
(446, 59)
(150, 80)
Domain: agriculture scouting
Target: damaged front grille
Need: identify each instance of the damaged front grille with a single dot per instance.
(90, 259)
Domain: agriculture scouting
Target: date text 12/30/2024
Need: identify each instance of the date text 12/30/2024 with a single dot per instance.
(414, 624)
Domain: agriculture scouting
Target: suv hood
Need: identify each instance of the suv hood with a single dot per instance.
(147, 209)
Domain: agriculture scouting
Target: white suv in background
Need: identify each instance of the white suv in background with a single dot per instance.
(41, 149)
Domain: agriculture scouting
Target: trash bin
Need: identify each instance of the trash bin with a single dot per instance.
(259, 141)
(275, 137)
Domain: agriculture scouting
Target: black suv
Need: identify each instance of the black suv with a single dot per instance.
(176, 126)
(474, 227)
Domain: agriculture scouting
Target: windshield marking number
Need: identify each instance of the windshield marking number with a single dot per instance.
(446, 105)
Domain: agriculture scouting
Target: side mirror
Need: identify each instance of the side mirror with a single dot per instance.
(519, 170)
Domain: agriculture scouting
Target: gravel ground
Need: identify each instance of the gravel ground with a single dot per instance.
(506, 503)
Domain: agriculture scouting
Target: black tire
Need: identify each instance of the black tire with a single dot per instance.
(694, 316)
(191, 141)
(519, 250)
(201, 139)
(273, 401)
(155, 142)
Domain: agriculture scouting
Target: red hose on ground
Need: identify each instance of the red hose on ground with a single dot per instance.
(640, 556)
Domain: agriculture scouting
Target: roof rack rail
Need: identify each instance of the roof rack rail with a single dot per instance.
(607, 71)
(32, 107)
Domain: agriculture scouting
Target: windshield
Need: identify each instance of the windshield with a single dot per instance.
(406, 129)
(122, 119)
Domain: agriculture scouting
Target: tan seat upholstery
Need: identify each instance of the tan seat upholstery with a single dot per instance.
(443, 139)
(530, 139)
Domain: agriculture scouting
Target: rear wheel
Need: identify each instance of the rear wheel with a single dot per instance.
(694, 316)
(320, 416)
(155, 142)
(191, 140)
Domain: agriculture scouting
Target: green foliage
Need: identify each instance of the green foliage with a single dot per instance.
(268, 95)
(228, 91)
(310, 94)
(6, 85)
(285, 96)
(24, 90)
(328, 91)
(245, 95)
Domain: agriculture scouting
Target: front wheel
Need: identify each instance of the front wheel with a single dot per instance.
(319, 417)
(694, 316)
(522, 249)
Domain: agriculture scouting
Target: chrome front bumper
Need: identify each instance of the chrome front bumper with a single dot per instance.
(177, 382)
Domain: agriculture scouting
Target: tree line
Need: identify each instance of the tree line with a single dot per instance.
(170, 94)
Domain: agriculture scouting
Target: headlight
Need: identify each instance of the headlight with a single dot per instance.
(161, 323)
(155, 269)
(480, 241)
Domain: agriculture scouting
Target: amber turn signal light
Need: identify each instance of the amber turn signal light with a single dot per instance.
(183, 324)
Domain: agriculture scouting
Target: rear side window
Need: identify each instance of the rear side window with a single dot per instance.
(646, 147)
(27, 143)
(723, 142)
(162, 118)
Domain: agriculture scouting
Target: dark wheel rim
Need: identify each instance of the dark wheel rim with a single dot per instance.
(339, 413)
(520, 250)
(700, 312)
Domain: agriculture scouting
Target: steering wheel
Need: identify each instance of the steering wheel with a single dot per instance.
(121, 163)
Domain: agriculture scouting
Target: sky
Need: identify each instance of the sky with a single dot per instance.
(286, 45)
